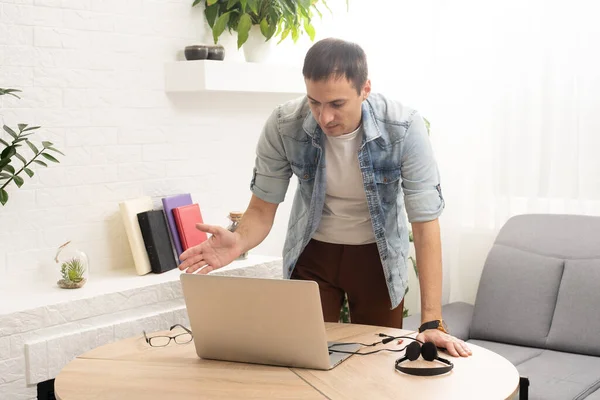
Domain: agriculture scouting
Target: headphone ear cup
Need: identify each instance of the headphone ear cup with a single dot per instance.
(413, 351)
(429, 351)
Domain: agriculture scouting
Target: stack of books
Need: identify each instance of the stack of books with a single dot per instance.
(157, 237)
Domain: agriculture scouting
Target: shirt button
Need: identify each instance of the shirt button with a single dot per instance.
(305, 176)
(385, 180)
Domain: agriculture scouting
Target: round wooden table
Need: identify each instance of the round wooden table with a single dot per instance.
(131, 369)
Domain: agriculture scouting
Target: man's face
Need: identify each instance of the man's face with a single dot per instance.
(336, 105)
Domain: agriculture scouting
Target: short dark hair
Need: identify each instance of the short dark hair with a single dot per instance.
(336, 58)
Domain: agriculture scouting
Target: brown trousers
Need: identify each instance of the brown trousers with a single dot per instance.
(354, 270)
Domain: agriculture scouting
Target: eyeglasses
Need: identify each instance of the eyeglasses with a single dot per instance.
(162, 341)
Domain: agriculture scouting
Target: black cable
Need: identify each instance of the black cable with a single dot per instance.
(370, 352)
(387, 339)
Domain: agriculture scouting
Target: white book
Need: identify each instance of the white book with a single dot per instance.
(129, 211)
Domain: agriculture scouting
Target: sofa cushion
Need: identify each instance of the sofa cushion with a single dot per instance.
(555, 375)
(576, 323)
(513, 353)
(594, 396)
(516, 297)
(554, 235)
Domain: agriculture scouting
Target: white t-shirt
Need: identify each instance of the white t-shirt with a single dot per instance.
(346, 218)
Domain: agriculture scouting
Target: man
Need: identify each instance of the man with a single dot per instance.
(360, 160)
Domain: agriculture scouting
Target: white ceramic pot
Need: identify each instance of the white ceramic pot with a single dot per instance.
(256, 49)
(229, 42)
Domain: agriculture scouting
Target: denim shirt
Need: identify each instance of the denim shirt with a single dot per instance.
(400, 178)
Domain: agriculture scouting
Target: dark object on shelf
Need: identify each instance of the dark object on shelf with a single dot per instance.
(156, 239)
(196, 52)
(216, 53)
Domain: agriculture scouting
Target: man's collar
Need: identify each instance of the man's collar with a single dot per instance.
(370, 129)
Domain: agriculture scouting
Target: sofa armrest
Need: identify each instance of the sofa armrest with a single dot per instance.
(457, 315)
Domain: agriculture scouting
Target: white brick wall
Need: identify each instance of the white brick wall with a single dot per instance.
(91, 72)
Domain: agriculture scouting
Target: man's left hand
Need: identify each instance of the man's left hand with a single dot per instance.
(454, 346)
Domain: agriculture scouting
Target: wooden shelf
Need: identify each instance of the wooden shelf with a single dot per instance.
(223, 76)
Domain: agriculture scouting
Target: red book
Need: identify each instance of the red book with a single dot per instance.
(186, 218)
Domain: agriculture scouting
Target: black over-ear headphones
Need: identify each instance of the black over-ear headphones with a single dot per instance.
(429, 353)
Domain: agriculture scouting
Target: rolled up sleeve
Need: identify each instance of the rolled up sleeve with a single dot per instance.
(272, 170)
(420, 176)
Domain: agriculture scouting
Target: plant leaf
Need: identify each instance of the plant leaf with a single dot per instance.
(31, 128)
(56, 150)
(5, 175)
(310, 30)
(10, 131)
(20, 157)
(21, 127)
(8, 152)
(284, 34)
(243, 29)
(3, 196)
(304, 3)
(32, 147)
(232, 3)
(47, 144)
(49, 157)
(28, 172)
(9, 91)
(220, 26)
(40, 163)
(4, 142)
(18, 180)
(211, 15)
(253, 4)
(9, 168)
(196, 3)
(211, 2)
(264, 27)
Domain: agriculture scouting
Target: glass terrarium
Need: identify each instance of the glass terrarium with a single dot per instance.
(73, 266)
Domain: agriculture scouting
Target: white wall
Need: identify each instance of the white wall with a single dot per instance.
(91, 72)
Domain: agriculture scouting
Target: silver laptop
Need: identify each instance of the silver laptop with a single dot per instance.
(262, 321)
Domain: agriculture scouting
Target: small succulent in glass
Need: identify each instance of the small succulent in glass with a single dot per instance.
(73, 266)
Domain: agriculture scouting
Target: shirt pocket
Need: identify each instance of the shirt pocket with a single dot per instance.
(305, 173)
(388, 181)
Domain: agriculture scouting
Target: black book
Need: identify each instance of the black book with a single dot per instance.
(156, 239)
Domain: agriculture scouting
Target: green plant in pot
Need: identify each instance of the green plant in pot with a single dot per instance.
(274, 18)
(10, 170)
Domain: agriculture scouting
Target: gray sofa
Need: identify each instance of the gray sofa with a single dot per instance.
(538, 304)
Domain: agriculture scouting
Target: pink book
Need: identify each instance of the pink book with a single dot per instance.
(186, 218)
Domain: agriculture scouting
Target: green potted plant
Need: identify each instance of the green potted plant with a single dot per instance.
(11, 151)
(261, 20)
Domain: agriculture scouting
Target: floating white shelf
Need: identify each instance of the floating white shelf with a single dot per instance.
(223, 76)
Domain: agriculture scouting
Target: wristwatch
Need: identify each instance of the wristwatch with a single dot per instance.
(435, 324)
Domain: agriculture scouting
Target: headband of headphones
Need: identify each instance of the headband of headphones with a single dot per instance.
(429, 353)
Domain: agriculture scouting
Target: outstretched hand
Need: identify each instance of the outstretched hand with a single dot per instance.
(454, 346)
(221, 248)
